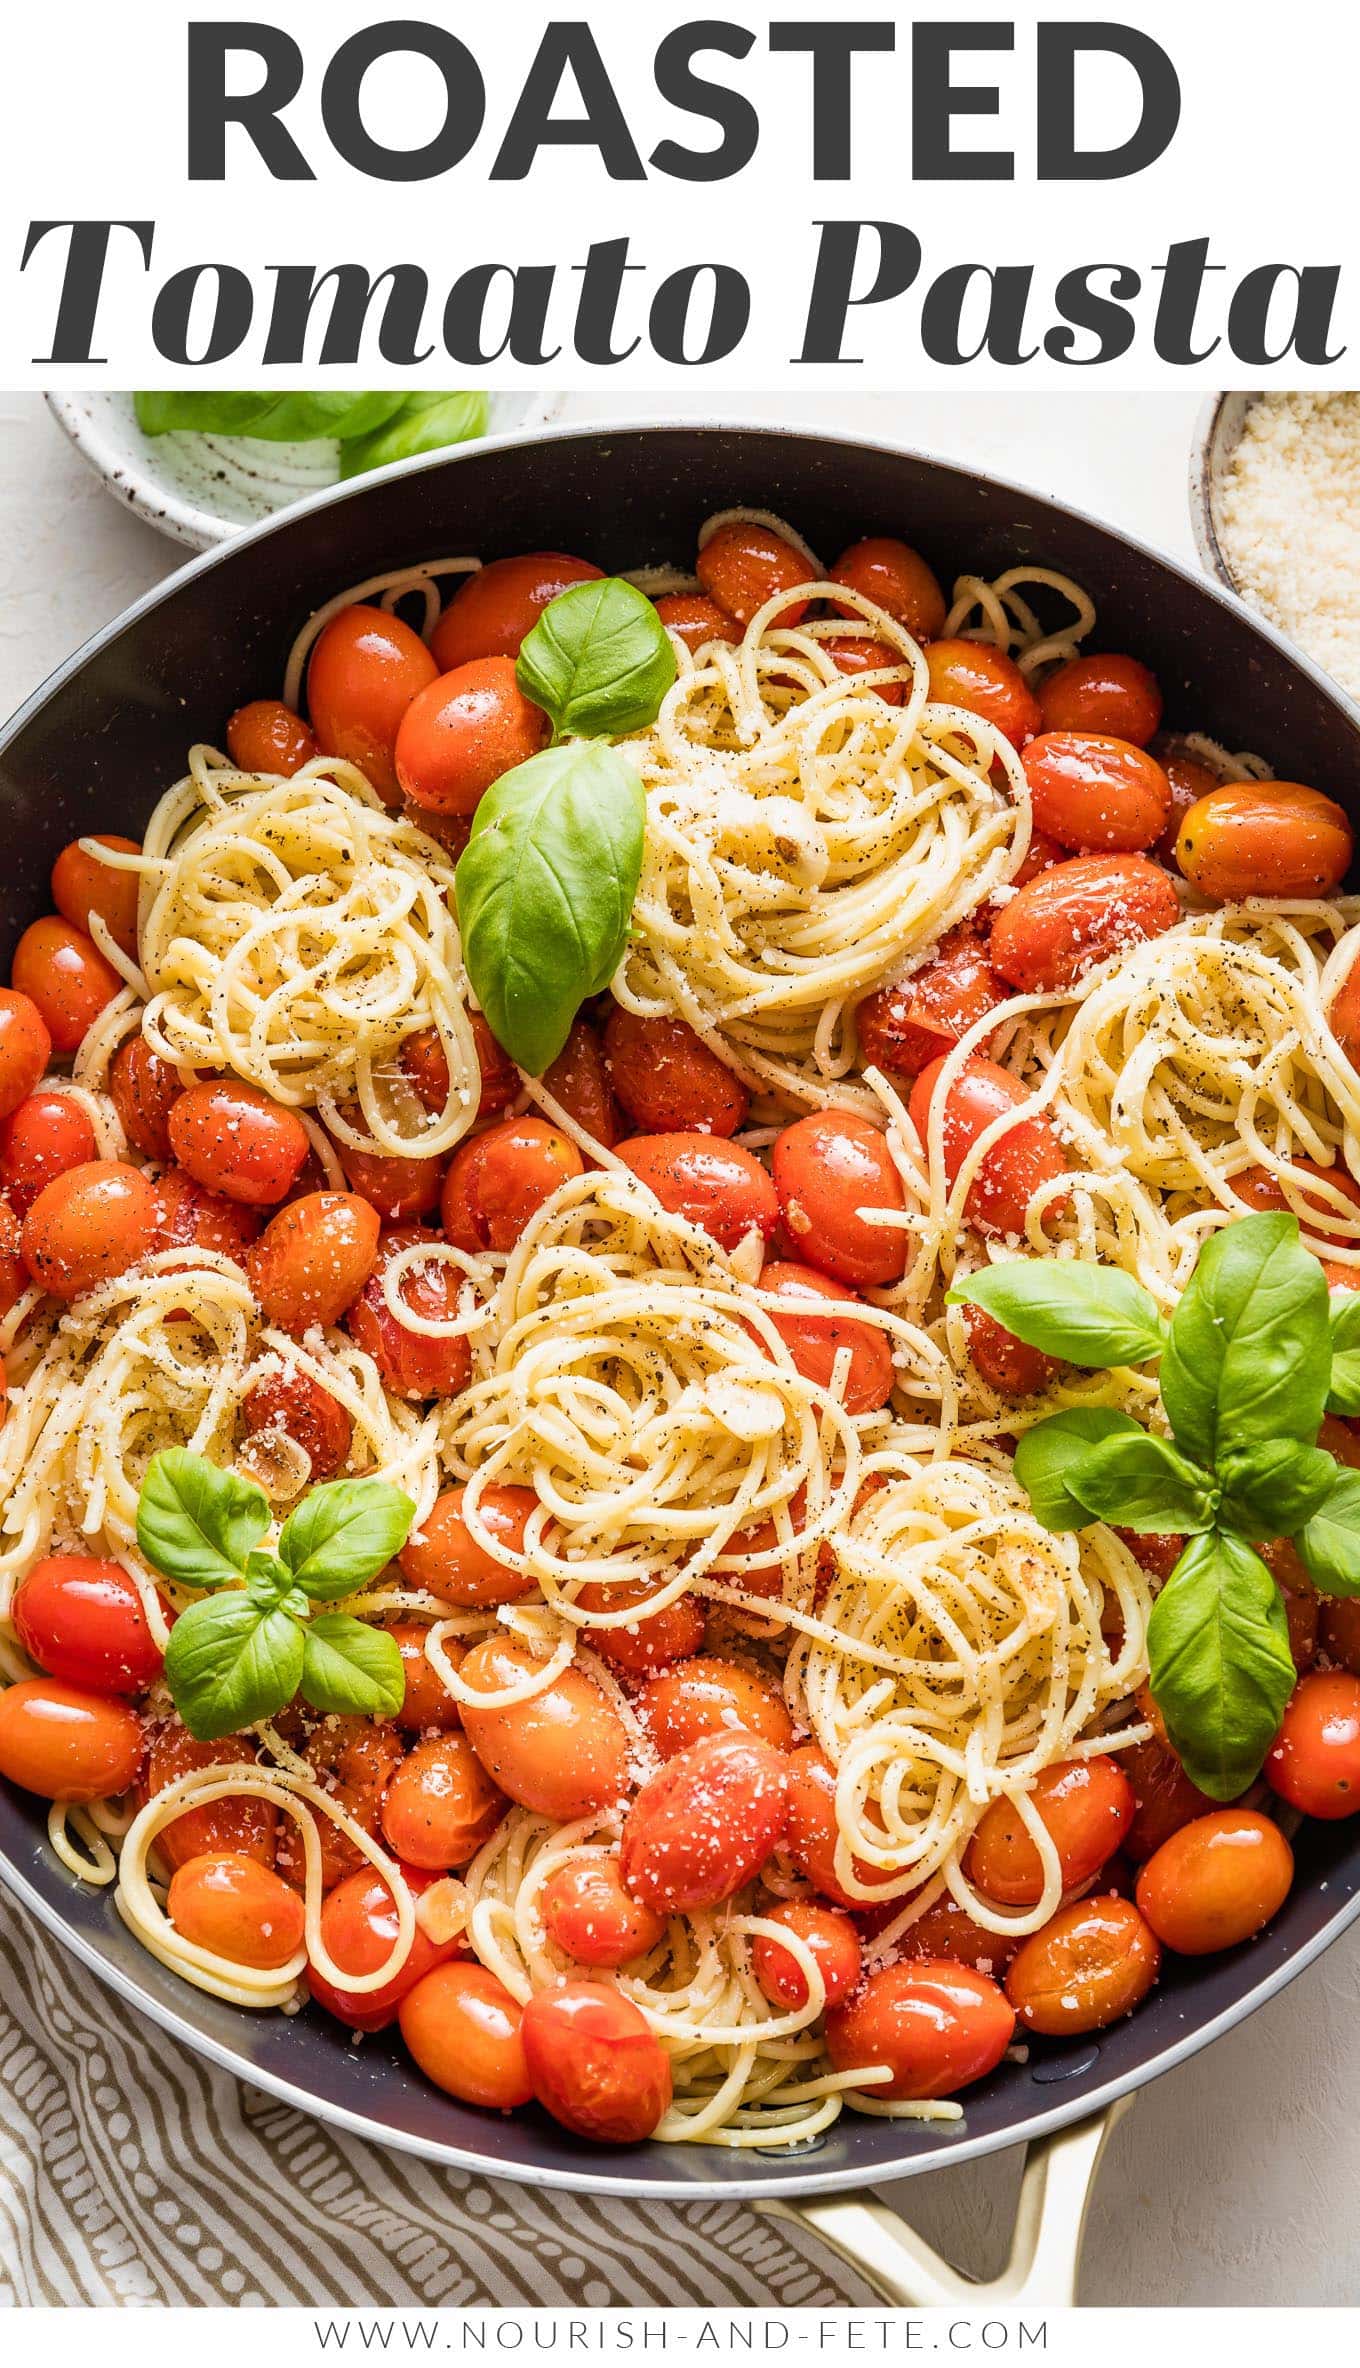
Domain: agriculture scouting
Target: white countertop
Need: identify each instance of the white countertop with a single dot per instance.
(1233, 2181)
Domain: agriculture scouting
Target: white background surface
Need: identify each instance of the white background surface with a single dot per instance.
(1235, 2180)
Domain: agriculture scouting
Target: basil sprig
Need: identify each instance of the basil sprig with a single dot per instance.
(1251, 1359)
(545, 886)
(245, 1649)
(370, 428)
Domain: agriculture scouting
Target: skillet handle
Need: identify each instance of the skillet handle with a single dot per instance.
(1050, 2221)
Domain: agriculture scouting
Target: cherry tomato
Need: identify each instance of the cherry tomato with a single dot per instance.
(428, 1708)
(462, 733)
(1077, 915)
(82, 1621)
(1164, 1797)
(67, 1745)
(668, 1080)
(501, 1179)
(86, 1227)
(493, 609)
(243, 1822)
(1093, 793)
(363, 674)
(264, 736)
(708, 1696)
(307, 1414)
(1040, 856)
(741, 566)
(1216, 1882)
(1339, 1630)
(441, 1805)
(937, 2026)
(814, 1340)
(595, 2064)
(233, 1139)
(359, 1933)
(1345, 1015)
(946, 1930)
(717, 1186)
(237, 1908)
(1264, 838)
(448, 1561)
(398, 1189)
(192, 1219)
(144, 1090)
(1314, 1762)
(705, 1824)
(1260, 1188)
(897, 579)
(313, 1258)
(650, 1643)
(425, 1065)
(903, 1028)
(25, 1049)
(47, 1136)
(696, 621)
(1086, 1806)
(1110, 695)
(833, 1941)
(354, 1759)
(586, 1910)
(83, 886)
(13, 1272)
(972, 675)
(563, 1752)
(1090, 1964)
(464, 2030)
(1189, 780)
(828, 1168)
(812, 1834)
(1027, 1156)
(856, 655)
(62, 971)
(412, 1364)
(1009, 1366)
(579, 1080)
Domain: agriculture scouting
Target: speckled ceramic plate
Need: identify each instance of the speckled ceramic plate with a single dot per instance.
(200, 489)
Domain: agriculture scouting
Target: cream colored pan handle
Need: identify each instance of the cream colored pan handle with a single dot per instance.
(1050, 2221)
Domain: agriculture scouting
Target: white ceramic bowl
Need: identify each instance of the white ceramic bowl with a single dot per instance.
(200, 489)
(1218, 430)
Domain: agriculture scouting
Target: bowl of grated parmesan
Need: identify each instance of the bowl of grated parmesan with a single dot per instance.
(1275, 505)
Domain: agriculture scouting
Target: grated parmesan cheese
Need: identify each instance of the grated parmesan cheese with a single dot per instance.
(1289, 523)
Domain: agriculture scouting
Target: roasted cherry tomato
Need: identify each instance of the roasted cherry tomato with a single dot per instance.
(813, 1832)
(359, 1934)
(400, 1190)
(1345, 1016)
(82, 887)
(62, 971)
(144, 1089)
(1314, 1762)
(1164, 1797)
(82, 1621)
(90, 1225)
(595, 2064)
(425, 1065)
(313, 1259)
(192, 1218)
(1086, 1806)
(895, 578)
(1113, 695)
(828, 1169)
(67, 1745)
(1040, 856)
(1027, 1156)
(946, 1930)
(1077, 915)
(412, 1364)
(579, 1079)
(501, 1179)
(354, 1759)
(264, 736)
(562, 1752)
(233, 1139)
(716, 1186)
(428, 1708)
(814, 1339)
(494, 608)
(448, 1561)
(856, 654)
(440, 1805)
(462, 733)
(1096, 794)
(937, 2027)
(1264, 838)
(1216, 1882)
(904, 1027)
(705, 1824)
(238, 1909)
(827, 1933)
(586, 1910)
(25, 1049)
(464, 2030)
(742, 565)
(1261, 1188)
(651, 1642)
(695, 620)
(307, 1414)
(1091, 1963)
(708, 1696)
(1339, 1630)
(1189, 780)
(14, 1278)
(668, 1080)
(240, 1822)
(363, 674)
(1009, 1366)
(46, 1137)
(972, 675)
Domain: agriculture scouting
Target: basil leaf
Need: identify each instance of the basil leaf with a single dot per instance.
(1221, 1667)
(1269, 1492)
(279, 419)
(545, 889)
(425, 423)
(349, 1667)
(1343, 1397)
(211, 413)
(268, 1583)
(1143, 1483)
(599, 661)
(195, 1523)
(1069, 1307)
(343, 1534)
(1048, 1454)
(230, 1662)
(1330, 1542)
(1248, 1354)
